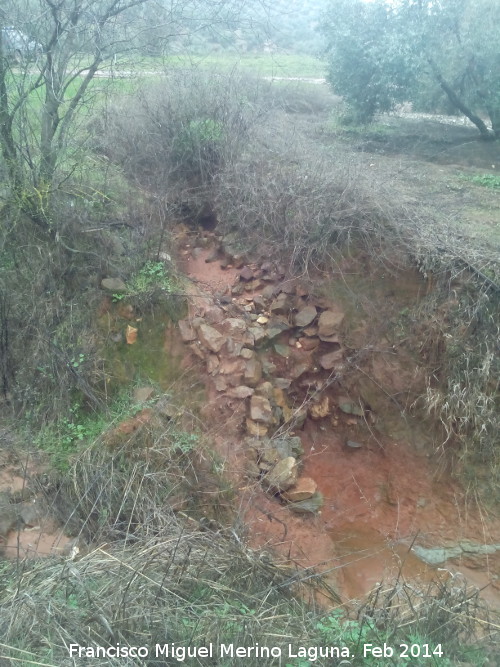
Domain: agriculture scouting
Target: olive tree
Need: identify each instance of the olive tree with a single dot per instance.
(384, 52)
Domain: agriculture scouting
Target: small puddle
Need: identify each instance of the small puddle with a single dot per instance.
(367, 559)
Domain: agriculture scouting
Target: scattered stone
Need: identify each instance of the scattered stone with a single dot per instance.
(8, 517)
(291, 446)
(259, 302)
(329, 322)
(248, 339)
(240, 392)
(187, 332)
(282, 476)
(220, 383)
(225, 263)
(282, 383)
(328, 361)
(262, 319)
(246, 353)
(268, 368)
(213, 315)
(197, 252)
(252, 470)
(143, 394)
(265, 389)
(117, 337)
(305, 316)
(196, 349)
(268, 458)
(321, 409)
(212, 363)
(300, 369)
(131, 335)
(260, 409)
(211, 338)
(236, 366)
(31, 513)
(282, 350)
(352, 444)
(276, 327)
(233, 347)
(330, 339)
(309, 506)
(310, 331)
(253, 372)
(238, 260)
(304, 489)
(350, 408)
(234, 326)
(213, 255)
(280, 305)
(298, 418)
(288, 287)
(266, 267)
(309, 344)
(246, 274)
(126, 310)
(301, 291)
(269, 292)
(237, 289)
(258, 333)
(113, 285)
(255, 429)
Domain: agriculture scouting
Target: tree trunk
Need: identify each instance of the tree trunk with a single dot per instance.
(460, 105)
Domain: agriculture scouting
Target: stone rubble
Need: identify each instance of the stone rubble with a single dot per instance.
(271, 339)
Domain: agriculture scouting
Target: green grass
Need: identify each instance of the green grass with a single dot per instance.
(487, 180)
(259, 64)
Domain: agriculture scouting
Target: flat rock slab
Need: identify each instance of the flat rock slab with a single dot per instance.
(261, 409)
(240, 392)
(143, 394)
(187, 332)
(329, 322)
(253, 372)
(309, 506)
(328, 361)
(211, 338)
(282, 476)
(305, 316)
(304, 489)
(113, 285)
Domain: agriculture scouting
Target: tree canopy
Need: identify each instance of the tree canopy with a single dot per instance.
(383, 53)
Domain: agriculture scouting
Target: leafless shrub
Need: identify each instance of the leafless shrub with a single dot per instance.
(282, 192)
(442, 610)
(183, 130)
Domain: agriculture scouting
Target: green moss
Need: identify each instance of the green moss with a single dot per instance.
(155, 357)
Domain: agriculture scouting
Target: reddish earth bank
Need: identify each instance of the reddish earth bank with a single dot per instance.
(383, 498)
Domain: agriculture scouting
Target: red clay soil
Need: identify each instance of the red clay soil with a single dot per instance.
(377, 499)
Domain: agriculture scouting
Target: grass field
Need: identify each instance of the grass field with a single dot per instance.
(260, 64)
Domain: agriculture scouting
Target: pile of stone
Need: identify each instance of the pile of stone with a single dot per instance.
(268, 334)
(276, 463)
